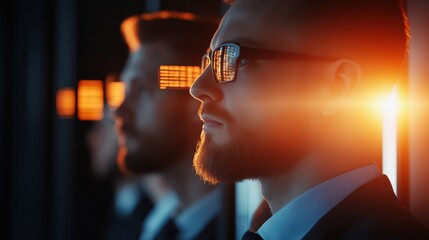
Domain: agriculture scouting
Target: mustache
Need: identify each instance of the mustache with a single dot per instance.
(214, 110)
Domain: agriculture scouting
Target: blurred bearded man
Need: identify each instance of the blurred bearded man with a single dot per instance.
(157, 125)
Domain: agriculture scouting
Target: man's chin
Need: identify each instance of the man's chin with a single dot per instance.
(137, 164)
(217, 163)
(145, 162)
(243, 158)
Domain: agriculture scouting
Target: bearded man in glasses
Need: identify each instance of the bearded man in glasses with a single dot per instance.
(286, 98)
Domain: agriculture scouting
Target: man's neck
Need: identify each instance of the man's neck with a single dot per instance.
(310, 171)
(154, 186)
(185, 183)
(281, 189)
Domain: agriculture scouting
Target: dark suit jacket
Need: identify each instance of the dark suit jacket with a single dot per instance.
(370, 212)
(129, 227)
(209, 232)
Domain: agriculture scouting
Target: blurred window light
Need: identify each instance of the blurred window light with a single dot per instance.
(177, 77)
(390, 109)
(90, 100)
(115, 91)
(66, 102)
(247, 199)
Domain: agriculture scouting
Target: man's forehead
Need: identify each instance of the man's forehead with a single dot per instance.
(145, 61)
(254, 22)
(134, 66)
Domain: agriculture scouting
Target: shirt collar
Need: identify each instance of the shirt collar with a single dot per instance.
(193, 219)
(127, 198)
(297, 217)
(159, 215)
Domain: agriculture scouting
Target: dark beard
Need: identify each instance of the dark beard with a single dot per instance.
(247, 157)
(153, 158)
(157, 153)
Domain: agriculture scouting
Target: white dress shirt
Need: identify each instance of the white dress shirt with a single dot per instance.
(192, 220)
(296, 218)
(127, 198)
(159, 215)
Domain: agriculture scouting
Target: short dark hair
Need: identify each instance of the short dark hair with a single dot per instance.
(187, 34)
(374, 33)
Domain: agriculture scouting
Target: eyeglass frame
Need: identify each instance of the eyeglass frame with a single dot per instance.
(258, 53)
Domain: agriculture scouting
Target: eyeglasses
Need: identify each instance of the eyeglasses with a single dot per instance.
(226, 59)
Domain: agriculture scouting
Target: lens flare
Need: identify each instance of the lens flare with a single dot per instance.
(390, 108)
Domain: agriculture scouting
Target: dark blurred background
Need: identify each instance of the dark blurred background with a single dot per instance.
(46, 188)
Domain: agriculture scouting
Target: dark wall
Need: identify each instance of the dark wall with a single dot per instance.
(46, 187)
(100, 49)
(4, 133)
(196, 6)
(25, 120)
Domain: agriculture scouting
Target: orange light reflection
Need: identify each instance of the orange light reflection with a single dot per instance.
(177, 77)
(129, 29)
(120, 160)
(169, 14)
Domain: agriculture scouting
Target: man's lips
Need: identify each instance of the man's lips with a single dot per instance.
(210, 121)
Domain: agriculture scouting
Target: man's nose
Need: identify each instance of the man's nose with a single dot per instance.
(205, 88)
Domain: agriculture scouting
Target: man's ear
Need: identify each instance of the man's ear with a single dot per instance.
(344, 76)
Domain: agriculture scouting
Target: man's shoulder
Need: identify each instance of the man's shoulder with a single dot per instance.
(370, 212)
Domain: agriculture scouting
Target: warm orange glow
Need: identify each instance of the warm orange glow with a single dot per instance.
(90, 100)
(169, 14)
(390, 104)
(120, 160)
(66, 102)
(115, 94)
(129, 29)
(177, 77)
(130, 26)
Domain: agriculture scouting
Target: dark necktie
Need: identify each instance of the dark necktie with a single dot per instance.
(168, 232)
(261, 215)
(251, 236)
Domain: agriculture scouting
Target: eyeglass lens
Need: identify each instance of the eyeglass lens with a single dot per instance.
(224, 62)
